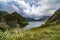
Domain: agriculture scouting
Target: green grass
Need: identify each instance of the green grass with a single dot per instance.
(46, 33)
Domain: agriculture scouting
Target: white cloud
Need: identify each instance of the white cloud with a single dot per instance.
(31, 8)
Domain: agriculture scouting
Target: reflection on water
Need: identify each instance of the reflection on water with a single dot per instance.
(34, 24)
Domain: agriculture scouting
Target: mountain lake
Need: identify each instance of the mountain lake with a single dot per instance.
(34, 24)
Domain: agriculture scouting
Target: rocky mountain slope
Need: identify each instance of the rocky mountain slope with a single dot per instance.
(11, 20)
(55, 18)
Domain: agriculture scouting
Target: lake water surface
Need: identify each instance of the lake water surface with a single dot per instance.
(33, 24)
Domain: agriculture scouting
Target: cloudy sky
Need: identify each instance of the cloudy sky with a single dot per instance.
(30, 8)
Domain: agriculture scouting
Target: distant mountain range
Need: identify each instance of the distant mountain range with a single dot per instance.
(38, 19)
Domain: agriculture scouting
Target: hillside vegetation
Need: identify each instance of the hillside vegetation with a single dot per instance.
(2, 13)
(47, 33)
(11, 20)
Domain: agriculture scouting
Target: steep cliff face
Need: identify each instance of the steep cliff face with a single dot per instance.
(55, 18)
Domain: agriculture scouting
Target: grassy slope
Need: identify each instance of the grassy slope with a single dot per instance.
(48, 33)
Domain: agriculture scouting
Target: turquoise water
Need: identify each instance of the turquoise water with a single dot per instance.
(34, 24)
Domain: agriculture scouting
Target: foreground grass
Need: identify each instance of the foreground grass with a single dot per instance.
(47, 33)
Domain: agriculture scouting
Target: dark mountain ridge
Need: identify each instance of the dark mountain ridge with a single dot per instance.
(12, 20)
(55, 18)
